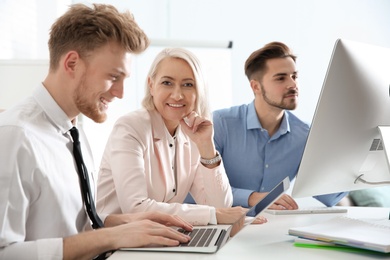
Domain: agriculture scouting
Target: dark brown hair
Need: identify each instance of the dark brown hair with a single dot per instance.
(255, 65)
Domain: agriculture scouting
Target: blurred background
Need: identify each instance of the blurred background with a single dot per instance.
(207, 27)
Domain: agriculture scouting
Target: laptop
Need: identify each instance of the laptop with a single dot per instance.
(210, 238)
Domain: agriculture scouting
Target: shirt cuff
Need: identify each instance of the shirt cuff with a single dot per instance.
(241, 197)
(213, 216)
(50, 248)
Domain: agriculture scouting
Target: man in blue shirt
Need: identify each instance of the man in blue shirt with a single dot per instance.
(261, 143)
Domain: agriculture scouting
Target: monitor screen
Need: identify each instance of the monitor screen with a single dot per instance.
(344, 141)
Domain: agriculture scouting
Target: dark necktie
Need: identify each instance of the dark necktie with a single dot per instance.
(86, 188)
(84, 181)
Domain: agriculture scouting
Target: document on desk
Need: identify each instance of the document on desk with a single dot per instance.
(348, 232)
(309, 243)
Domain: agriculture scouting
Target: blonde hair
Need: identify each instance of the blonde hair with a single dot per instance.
(201, 104)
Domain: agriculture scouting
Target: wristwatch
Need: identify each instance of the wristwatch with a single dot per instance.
(214, 160)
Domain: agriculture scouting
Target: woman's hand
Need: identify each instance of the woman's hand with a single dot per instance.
(200, 131)
(234, 215)
(260, 220)
(230, 215)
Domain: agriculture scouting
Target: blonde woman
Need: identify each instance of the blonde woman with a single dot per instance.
(156, 155)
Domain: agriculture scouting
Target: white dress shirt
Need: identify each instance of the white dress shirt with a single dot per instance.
(40, 199)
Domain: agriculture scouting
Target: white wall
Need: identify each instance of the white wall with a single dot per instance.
(14, 85)
(309, 27)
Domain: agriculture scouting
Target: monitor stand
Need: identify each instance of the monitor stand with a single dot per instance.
(378, 157)
(372, 158)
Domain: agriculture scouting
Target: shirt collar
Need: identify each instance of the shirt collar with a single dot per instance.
(52, 109)
(253, 121)
(285, 125)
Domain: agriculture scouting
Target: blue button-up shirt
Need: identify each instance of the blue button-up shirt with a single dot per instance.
(253, 160)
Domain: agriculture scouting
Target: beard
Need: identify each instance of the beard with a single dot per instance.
(283, 104)
(88, 107)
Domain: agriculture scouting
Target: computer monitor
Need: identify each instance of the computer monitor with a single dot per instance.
(345, 145)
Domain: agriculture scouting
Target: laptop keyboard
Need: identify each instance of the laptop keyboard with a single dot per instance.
(200, 237)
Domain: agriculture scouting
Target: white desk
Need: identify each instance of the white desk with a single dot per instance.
(271, 241)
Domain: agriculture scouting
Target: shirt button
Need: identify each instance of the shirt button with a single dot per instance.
(174, 190)
(266, 166)
(170, 145)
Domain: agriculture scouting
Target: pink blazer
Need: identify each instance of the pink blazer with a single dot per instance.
(136, 173)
